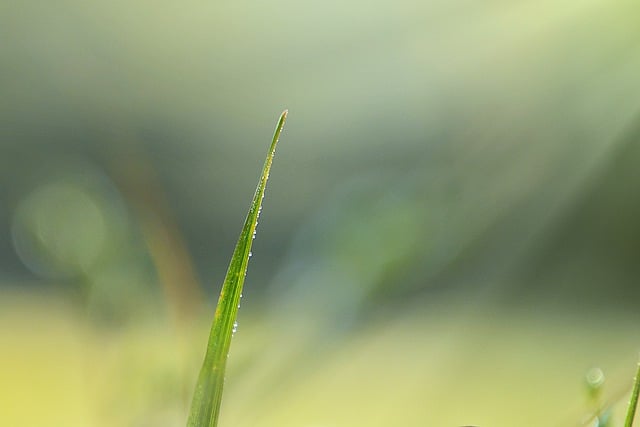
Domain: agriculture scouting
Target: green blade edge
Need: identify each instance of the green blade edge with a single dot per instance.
(205, 406)
(633, 401)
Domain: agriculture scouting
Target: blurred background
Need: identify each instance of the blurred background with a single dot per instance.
(450, 236)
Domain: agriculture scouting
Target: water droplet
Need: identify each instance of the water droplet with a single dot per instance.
(250, 254)
(235, 326)
(595, 378)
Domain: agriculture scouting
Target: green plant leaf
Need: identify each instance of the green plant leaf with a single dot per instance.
(633, 402)
(205, 406)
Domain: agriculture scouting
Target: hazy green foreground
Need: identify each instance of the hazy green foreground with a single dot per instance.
(441, 367)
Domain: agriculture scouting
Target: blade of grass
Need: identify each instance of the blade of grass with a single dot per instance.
(205, 406)
(633, 402)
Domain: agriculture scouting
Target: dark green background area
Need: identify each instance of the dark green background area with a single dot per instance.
(514, 136)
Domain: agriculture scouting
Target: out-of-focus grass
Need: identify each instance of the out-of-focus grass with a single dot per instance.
(450, 365)
(633, 400)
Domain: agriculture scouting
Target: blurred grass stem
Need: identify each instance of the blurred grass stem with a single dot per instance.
(633, 402)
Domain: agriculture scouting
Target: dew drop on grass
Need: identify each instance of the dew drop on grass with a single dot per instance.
(235, 327)
(594, 378)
